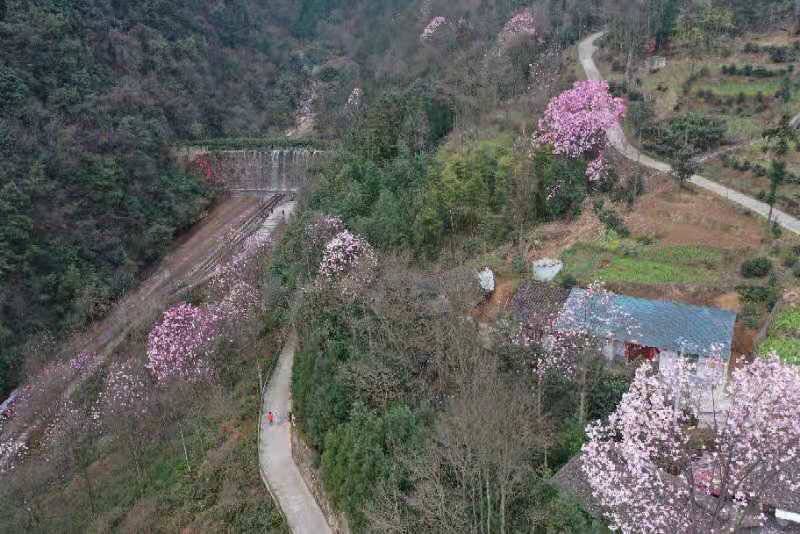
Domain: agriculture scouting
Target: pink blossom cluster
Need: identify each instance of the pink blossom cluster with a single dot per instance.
(239, 302)
(178, 345)
(68, 418)
(596, 169)
(127, 391)
(647, 475)
(523, 23)
(575, 122)
(12, 452)
(547, 355)
(82, 361)
(354, 100)
(322, 229)
(344, 253)
(594, 313)
(432, 27)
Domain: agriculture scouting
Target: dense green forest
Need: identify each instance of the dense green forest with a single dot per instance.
(92, 93)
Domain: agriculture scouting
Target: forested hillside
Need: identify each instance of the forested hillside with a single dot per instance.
(91, 95)
(462, 138)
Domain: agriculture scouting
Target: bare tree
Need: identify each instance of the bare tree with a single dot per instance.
(481, 454)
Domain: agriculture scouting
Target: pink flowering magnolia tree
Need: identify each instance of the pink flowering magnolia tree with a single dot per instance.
(125, 406)
(42, 398)
(649, 473)
(349, 262)
(575, 123)
(435, 24)
(128, 392)
(583, 329)
(178, 346)
(322, 229)
(522, 24)
(570, 341)
(544, 355)
(234, 292)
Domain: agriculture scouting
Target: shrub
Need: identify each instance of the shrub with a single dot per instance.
(568, 281)
(750, 314)
(634, 95)
(610, 219)
(465, 191)
(762, 295)
(518, 264)
(562, 185)
(790, 261)
(756, 268)
(779, 54)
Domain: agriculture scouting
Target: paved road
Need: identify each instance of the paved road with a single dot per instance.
(278, 469)
(616, 137)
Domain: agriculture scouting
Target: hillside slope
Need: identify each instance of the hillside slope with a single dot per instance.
(91, 94)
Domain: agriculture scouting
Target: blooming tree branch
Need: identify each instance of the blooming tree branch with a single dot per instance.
(575, 123)
(179, 343)
(648, 474)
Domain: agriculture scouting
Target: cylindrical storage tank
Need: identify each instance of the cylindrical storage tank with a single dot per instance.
(546, 269)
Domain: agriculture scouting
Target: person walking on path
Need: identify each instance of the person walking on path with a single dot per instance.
(270, 417)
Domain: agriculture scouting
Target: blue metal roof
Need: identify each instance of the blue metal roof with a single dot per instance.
(665, 325)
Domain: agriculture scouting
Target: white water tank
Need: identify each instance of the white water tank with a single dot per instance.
(486, 280)
(546, 269)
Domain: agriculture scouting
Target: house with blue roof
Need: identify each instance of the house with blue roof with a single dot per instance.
(656, 330)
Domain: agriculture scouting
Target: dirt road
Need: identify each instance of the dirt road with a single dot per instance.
(616, 137)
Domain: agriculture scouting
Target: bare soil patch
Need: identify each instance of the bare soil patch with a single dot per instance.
(677, 216)
(488, 310)
(729, 301)
(551, 239)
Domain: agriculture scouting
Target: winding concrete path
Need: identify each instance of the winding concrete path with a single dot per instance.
(277, 466)
(616, 136)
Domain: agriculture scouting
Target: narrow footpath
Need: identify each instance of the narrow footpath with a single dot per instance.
(278, 470)
(616, 136)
